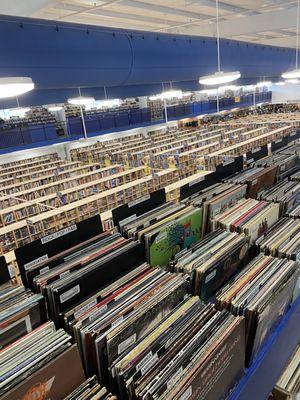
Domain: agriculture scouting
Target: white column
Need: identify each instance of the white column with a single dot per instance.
(143, 102)
(83, 122)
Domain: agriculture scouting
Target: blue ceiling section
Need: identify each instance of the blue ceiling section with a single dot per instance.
(61, 56)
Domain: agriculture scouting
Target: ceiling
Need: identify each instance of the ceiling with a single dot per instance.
(270, 22)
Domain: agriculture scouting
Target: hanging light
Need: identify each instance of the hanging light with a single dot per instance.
(108, 103)
(15, 86)
(294, 74)
(170, 94)
(264, 84)
(249, 87)
(81, 100)
(55, 108)
(292, 81)
(219, 77)
(228, 87)
(209, 91)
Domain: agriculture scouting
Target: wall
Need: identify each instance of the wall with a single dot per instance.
(289, 92)
(60, 57)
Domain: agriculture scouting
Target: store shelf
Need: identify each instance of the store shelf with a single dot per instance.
(265, 370)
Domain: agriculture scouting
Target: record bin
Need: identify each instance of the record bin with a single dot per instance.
(263, 373)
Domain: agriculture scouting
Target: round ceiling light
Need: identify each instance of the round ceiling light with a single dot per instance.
(219, 78)
(15, 86)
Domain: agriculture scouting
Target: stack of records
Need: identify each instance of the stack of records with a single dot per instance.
(84, 272)
(165, 231)
(31, 271)
(293, 148)
(195, 353)
(282, 240)
(294, 213)
(91, 390)
(43, 364)
(296, 176)
(122, 314)
(212, 261)
(261, 292)
(286, 193)
(21, 311)
(288, 385)
(215, 200)
(257, 179)
(249, 216)
(287, 164)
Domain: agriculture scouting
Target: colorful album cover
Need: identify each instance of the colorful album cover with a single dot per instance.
(175, 237)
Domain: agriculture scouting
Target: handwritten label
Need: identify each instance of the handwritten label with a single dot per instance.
(43, 270)
(187, 394)
(85, 308)
(211, 275)
(69, 294)
(58, 234)
(99, 311)
(127, 343)
(138, 201)
(63, 274)
(149, 364)
(117, 322)
(35, 262)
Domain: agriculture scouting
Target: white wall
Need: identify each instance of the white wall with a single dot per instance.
(287, 93)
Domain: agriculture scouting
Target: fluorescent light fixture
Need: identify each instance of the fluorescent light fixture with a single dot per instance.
(280, 83)
(294, 74)
(15, 86)
(249, 87)
(187, 94)
(108, 103)
(209, 91)
(170, 94)
(18, 112)
(81, 100)
(228, 87)
(218, 78)
(153, 98)
(292, 81)
(55, 108)
(264, 84)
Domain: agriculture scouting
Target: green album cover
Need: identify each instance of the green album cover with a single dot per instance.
(175, 237)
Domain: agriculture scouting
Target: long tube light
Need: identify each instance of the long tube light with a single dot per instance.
(15, 86)
(219, 78)
(81, 100)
